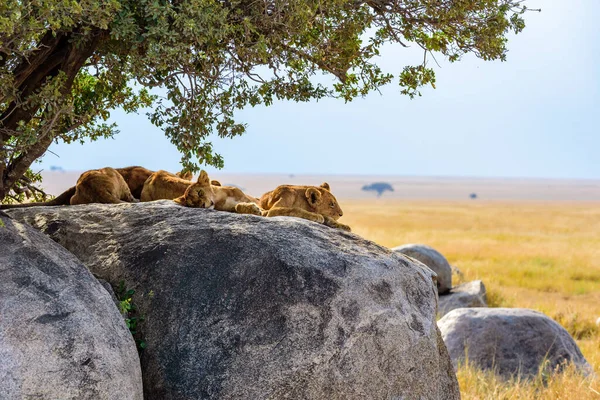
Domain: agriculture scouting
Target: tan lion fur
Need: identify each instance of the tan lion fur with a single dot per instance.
(104, 185)
(224, 198)
(165, 185)
(315, 203)
(134, 177)
(227, 198)
(185, 175)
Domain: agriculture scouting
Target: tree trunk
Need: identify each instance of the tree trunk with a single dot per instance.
(64, 54)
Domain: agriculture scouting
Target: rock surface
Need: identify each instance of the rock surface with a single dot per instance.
(61, 336)
(108, 287)
(509, 340)
(433, 259)
(246, 307)
(470, 294)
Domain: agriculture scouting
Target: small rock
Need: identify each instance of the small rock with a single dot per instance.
(433, 259)
(470, 294)
(511, 341)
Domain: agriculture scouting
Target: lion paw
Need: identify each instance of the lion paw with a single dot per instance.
(248, 208)
(319, 219)
(330, 222)
(344, 227)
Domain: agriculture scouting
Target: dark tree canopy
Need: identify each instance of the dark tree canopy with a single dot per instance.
(64, 64)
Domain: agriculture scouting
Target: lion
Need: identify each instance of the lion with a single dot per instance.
(227, 198)
(134, 177)
(201, 194)
(164, 185)
(314, 203)
(104, 185)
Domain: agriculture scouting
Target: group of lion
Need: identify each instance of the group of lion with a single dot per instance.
(122, 185)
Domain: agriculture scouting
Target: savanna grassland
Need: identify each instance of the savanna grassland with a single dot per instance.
(544, 256)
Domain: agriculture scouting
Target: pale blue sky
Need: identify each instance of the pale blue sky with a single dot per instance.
(536, 115)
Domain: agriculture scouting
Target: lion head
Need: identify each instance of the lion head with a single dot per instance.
(199, 194)
(323, 202)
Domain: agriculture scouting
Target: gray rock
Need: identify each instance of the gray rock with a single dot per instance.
(109, 289)
(246, 307)
(433, 259)
(511, 341)
(61, 336)
(470, 294)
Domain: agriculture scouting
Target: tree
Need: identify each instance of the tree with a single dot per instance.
(379, 187)
(64, 64)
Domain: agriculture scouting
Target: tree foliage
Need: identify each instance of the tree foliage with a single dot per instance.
(64, 64)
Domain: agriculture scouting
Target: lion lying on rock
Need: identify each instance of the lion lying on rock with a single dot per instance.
(104, 185)
(134, 177)
(201, 194)
(314, 203)
(165, 185)
(137, 176)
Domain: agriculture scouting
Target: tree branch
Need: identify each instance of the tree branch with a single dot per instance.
(71, 64)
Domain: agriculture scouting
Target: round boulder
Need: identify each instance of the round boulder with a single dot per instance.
(61, 335)
(510, 341)
(433, 259)
(470, 294)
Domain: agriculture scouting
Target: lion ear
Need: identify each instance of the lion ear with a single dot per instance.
(325, 185)
(185, 175)
(215, 183)
(203, 178)
(313, 196)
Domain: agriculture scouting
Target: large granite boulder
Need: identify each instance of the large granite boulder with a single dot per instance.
(470, 294)
(246, 307)
(433, 259)
(511, 341)
(61, 336)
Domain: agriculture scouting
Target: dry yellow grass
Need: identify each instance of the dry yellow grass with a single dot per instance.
(544, 256)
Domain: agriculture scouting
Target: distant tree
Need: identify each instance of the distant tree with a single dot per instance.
(473, 196)
(379, 187)
(64, 64)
